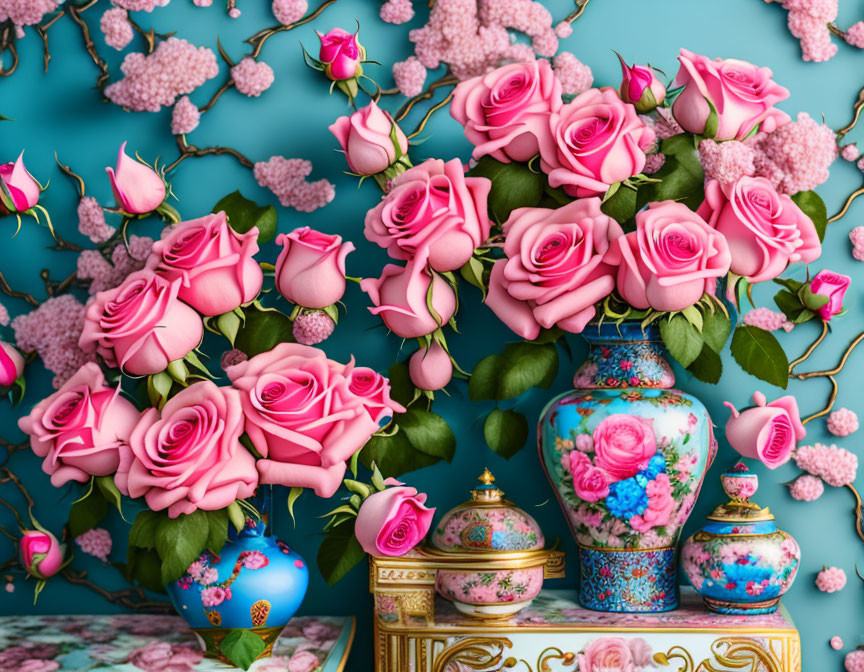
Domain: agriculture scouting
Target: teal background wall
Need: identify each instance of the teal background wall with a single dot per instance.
(61, 111)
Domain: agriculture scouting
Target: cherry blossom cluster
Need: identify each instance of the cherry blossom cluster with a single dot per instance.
(289, 11)
(251, 77)
(574, 75)
(831, 580)
(807, 488)
(397, 11)
(287, 179)
(856, 237)
(833, 465)
(185, 116)
(91, 220)
(842, 422)
(141, 5)
(116, 28)
(312, 327)
(96, 542)
(854, 661)
(104, 274)
(767, 319)
(25, 12)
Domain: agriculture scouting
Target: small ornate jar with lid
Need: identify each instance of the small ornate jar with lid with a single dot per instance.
(739, 561)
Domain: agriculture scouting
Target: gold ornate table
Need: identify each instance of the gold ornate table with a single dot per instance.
(416, 632)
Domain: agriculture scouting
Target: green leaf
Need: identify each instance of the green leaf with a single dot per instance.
(217, 529)
(401, 387)
(228, 325)
(235, 515)
(707, 367)
(293, 496)
(144, 567)
(505, 432)
(143, 532)
(811, 300)
(681, 176)
(526, 365)
(180, 541)
(813, 206)
(681, 338)
(109, 490)
(514, 185)
(428, 432)
(715, 329)
(263, 330)
(339, 552)
(474, 273)
(87, 513)
(694, 316)
(790, 304)
(394, 455)
(621, 206)
(243, 214)
(483, 383)
(712, 123)
(159, 388)
(760, 355)
(242, 647)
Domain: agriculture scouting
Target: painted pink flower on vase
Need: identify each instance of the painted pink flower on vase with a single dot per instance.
(590, 483)
(623, 445)
(661, 504)
(833, 286)
(19, 190)
(137, 187)
(393, 521)
(253, 559)
(768, 432)
(310, 270)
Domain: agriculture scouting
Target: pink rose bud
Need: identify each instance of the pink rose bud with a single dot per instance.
(341, 53)
(79, 428)
(11, 364)
(19, 190)
(374, 392)
(400, 298)
(41, 554)
(367, 138)
(640, 87)
(430, 369)
(834, 286)
(393, 521)
(310, 270)
(137, 187)
(767, 432)
(215, 264)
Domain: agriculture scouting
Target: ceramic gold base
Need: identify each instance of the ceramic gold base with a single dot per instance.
(211, 640)
(738, 608)
(491, 612)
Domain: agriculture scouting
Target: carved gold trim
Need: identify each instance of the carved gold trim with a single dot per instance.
(739, 654)
(475, 653)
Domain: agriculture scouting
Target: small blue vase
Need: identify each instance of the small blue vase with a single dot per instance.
(256, 582)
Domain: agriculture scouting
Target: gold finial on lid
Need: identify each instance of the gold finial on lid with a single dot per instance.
(486, 492)
(486, 477)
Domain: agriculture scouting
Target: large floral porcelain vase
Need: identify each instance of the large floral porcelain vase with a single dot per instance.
(626, 454)
(256, 582)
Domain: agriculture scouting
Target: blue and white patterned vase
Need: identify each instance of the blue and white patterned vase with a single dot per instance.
(256, 582)
(626, 455)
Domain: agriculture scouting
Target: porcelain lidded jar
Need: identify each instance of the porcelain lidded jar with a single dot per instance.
(739, 561)
(502, 547)
(626, 455)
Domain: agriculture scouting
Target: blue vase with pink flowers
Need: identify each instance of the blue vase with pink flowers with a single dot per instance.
(626, 455)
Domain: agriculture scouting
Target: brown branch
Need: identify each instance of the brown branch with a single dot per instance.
(856, 108)
(8, 291)
(839, 367)
(858, 505)
(189, 151)
(809, 351)
(831, 399)
(855, 194)
(258, 39)
(429, 114)
(216, 96)
(580, 7)
(121, 597)
(7, 43)
(12, 477)
(446, 80)
(89, 45)
(46, 53)
(55, 288)
(150, 36)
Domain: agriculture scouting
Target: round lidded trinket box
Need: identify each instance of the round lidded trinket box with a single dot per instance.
(502, 548)
(739, 561)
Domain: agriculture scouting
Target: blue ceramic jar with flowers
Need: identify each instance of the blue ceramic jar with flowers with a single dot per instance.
(626, 455)
(255, 583)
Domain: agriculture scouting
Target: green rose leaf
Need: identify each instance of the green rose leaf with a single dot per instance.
(715, 329)
(243, 214)
(760, 355)
(143, 567)
(707, 367)
(394, 455)
(483, 384)
(217, 529)
(526, 365)
(681, 338)
(242, 647)
(339, 552)
(813, 206)
(811, 300)
(621, 206)
(143, 532)
(401, 387)
(514, 185)
(428, 432)
(87, 513)
(262, 331)
(110, 492)
(505, 432)
(474, 273)
(681, 176)
(790, 304)
(237, 517)
(180, 541)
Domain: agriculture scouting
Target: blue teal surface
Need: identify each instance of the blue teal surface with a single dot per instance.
(60, 111)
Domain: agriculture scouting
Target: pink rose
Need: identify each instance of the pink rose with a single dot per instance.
(834, 286)
(765, 230)
(767, 432)
(301, 416)
(670, 260)
(373, 389)
(367, 140)
(157, 656)
(188, 456)
(661, 504)
(598, 140)
(253, 559)
(640, 87)
(623, 445)
(137, 187)
(310, 270)
(11, 365)
(214, 263)
(434, 213)
(589, 482)
(739, 95)
(79, 429)
(608, 654)
(19, 190)
(213, 596)
(555, 269)
(393, 521)
(430, 368)
(400, 298)
(141, 326)
(303, 661)
(505, 112)
(40, 553)
(37, 665)
(341, 53)
(642, 653)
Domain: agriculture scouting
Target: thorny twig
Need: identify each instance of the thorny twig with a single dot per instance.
(150, 36)
(132, 599)
(8, 291)
(188, 151)
(258, 39)
(855, 194)
(580, 7)
(446, 80)
(89, 45)
(429, 114)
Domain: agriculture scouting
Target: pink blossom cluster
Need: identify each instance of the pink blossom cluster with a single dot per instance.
(312, 327)
(232, 357)
(574, 75)
(833, 465)
(653, 163)
(202, 3)
(91, 220)
(185, 116)
(287, 179)
(663, 123)
(831, 580)
(526, 16)
(25, 12)
(177, 67)
(767, 319)
(807, 488)
(842, 422)
(4, 316)
(850, 152)
(856, 237)
(854, 661)
(158, 656)
(141, 5)
(52, 331)
(116, 28)
(104, 274)
(251, 77)
(808, 21)
(289, 11)
(96, 542)
(855, 35)
(410, 76)
(397, 11)
(836, 643)
(564, 29)
(726, 162)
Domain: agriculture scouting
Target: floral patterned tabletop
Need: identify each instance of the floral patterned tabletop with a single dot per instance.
(133, 642)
